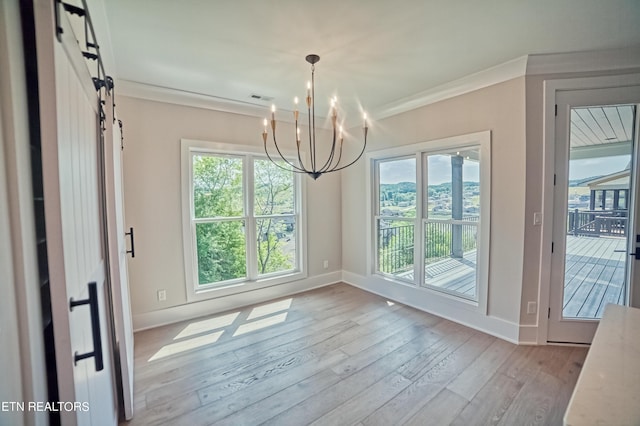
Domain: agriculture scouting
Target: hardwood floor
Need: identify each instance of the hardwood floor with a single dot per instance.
(342, 356)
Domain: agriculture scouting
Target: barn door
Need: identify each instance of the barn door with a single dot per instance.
(118, 253)
(72, 158)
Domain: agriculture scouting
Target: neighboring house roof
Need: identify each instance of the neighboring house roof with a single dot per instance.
(617, 180)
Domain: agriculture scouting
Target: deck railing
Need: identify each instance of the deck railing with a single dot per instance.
(597, 222)
(395, 251)
(396, 243)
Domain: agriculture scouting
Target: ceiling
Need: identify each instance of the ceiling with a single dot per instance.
(373, 53)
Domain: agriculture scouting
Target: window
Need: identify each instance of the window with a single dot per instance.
(431, 215)
(241, 218)
(397, 217)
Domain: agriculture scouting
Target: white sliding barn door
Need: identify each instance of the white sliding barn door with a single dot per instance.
(118, 257)
(74, 225)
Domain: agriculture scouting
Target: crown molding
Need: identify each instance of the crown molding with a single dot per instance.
(488, 77)
(152, 92)
(556, 63)
(588, 61)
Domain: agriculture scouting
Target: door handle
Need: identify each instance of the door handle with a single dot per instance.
(636, 254)
(92, 301)
(133, 248)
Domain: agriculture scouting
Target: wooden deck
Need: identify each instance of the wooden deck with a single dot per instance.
(594, 275)
(453, 275)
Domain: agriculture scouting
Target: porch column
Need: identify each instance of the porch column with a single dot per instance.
(456, 205)
(616, 199)
(592, 200)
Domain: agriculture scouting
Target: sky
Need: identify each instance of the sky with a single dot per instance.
(582, 169)
(439, 170)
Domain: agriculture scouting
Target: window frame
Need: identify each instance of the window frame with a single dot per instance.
(421, 150)
(378, 216)
(253, 280)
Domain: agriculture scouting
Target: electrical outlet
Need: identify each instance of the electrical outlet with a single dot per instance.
(326, 264)
(162, 295)
(532, 307)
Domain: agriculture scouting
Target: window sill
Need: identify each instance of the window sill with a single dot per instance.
(233, 288)
(441, 296)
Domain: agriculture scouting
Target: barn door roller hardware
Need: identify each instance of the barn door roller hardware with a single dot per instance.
(90, 50)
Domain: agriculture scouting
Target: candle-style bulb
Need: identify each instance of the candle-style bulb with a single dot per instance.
(295, 101)
(264, 133)
(364, 116)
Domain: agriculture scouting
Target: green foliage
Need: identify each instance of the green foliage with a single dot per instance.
(217, 186)
(221, 251)
(396, 248)
(274, 194)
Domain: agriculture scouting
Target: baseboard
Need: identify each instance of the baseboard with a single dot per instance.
(414, 297)
(528, 335)
(193, 310)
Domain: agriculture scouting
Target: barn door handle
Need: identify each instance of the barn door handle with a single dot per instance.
(92, 301)
(133, 248)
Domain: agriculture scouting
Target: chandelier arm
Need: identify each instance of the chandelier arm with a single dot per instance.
(284, 168)
(302, 166)
(311, 150)
(333, 167)
(361, 152)
(327, 165)
(281, 156)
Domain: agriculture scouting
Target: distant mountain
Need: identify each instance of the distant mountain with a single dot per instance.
(400, 187)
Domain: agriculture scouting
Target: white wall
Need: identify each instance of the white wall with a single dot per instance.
(499, 108)
(22, 366)
(10, 366)
(152, 132)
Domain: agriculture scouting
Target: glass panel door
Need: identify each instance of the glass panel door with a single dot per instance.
(595, 261)
(594, 222)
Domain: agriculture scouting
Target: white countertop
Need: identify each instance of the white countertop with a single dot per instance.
(608, 388)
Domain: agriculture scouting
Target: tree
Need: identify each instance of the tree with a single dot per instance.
(217, 182)
(274, 194)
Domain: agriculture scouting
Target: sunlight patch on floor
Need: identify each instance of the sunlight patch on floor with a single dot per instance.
(260, 324)
(270, 308)
(186, 345)
(207, 325)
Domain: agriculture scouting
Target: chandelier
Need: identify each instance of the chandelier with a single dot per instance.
(313, 166)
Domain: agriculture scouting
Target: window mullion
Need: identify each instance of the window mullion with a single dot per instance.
(418, 262)
(252, 263)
